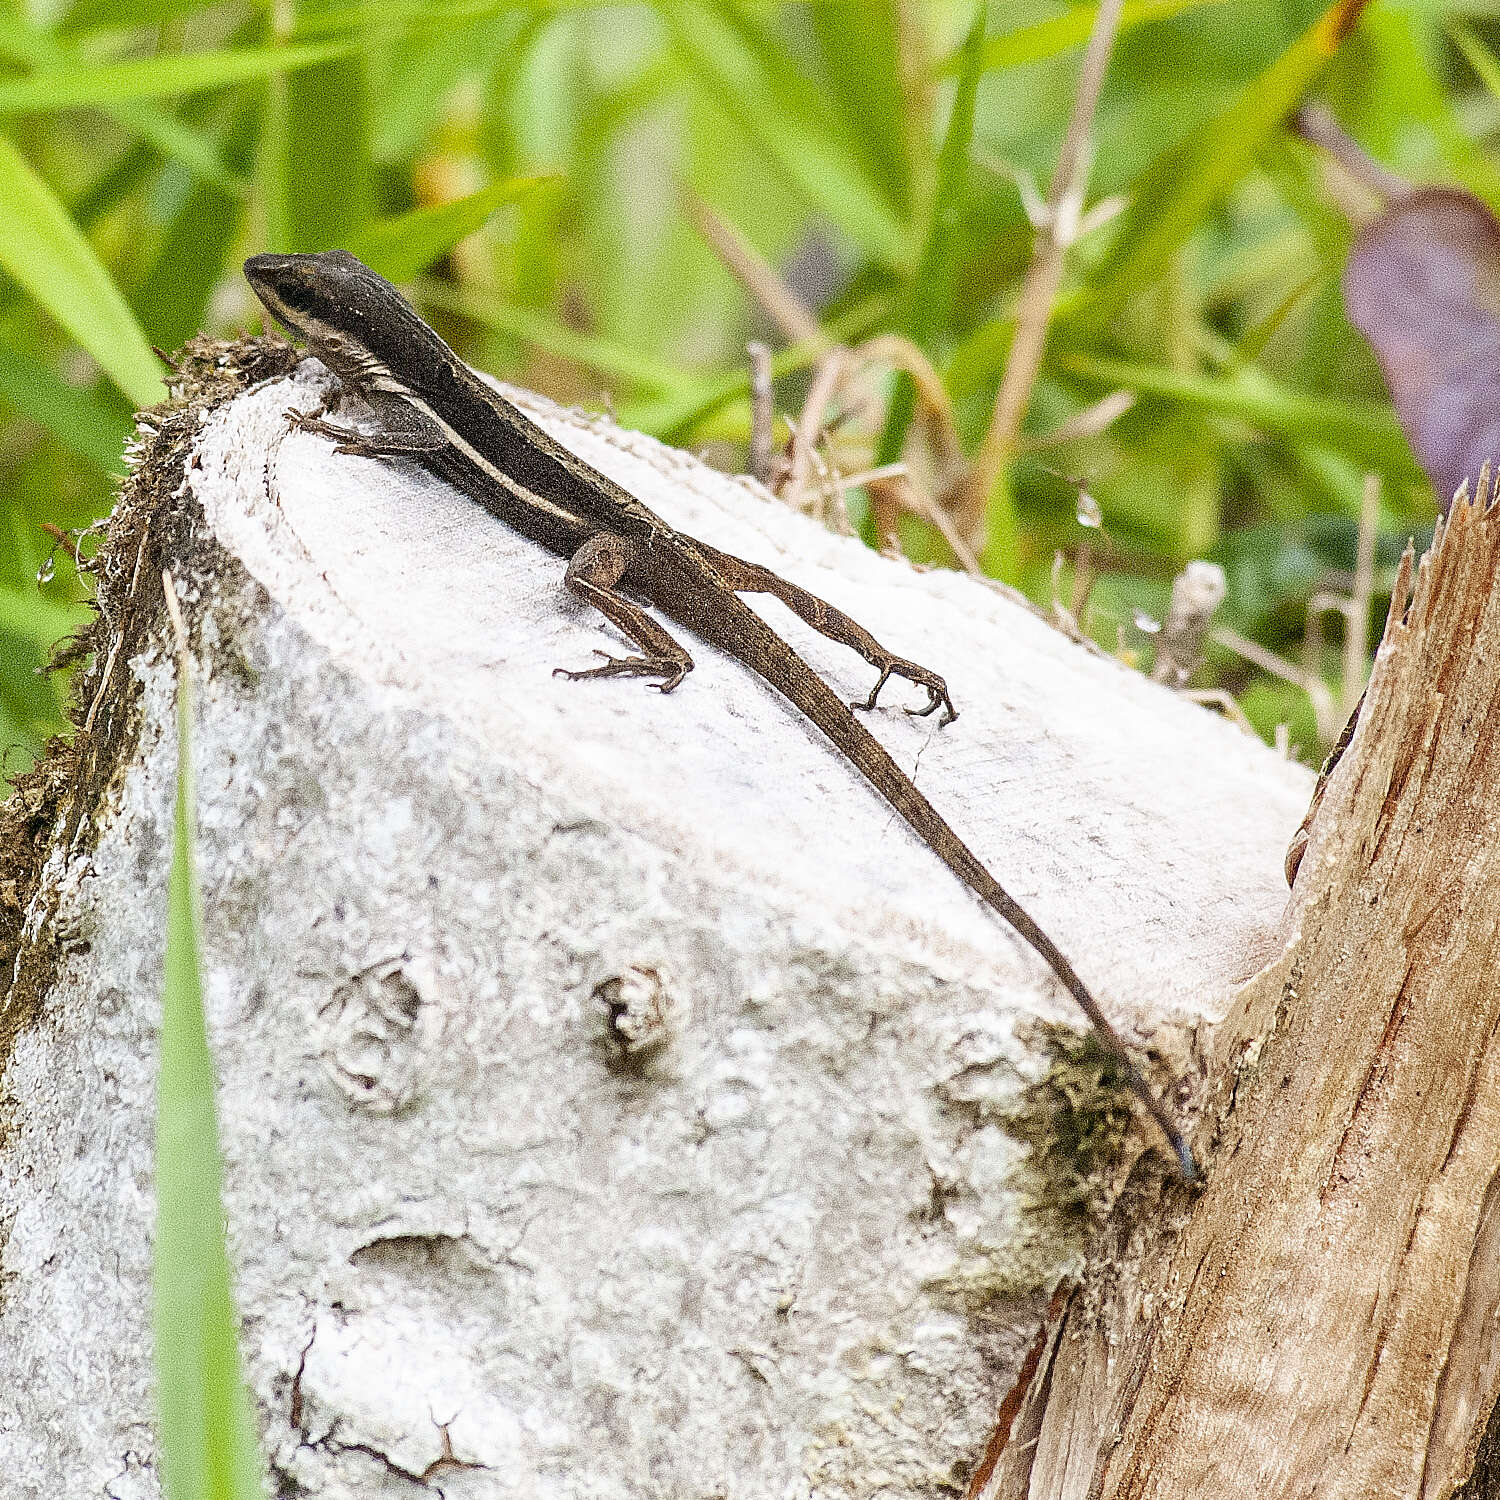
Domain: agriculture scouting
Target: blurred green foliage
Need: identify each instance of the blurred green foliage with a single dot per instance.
(540, 163)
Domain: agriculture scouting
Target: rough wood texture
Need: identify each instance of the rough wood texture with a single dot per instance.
(1325, 1320)
(799, 1245)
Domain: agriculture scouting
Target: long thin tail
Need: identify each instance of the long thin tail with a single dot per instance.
(739, 630)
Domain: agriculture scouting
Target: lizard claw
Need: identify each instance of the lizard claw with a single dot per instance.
(936, 697)
(344, 439)
(937, 689)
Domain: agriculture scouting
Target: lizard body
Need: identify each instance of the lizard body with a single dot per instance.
(435, 411)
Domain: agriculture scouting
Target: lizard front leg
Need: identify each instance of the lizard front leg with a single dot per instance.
(750, 578)
(593, 571)
(404, 433)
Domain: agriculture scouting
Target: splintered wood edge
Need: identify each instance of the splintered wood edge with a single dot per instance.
(1323, 1319)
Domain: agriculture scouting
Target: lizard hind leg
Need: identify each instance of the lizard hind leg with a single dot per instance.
(593, 571)
(750, 578)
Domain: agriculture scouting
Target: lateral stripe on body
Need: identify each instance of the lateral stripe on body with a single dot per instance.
(475, 457)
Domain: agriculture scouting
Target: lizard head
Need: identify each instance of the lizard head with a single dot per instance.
(354, 320)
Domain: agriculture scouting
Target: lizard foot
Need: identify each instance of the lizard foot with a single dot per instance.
(937, 689)
(347, 439)
(671, 672)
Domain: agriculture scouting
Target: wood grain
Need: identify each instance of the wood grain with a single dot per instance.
(1322, 1320)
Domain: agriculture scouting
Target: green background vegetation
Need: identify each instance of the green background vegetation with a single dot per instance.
(531, 171)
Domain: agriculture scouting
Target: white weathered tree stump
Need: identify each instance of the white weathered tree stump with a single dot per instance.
(617, 1099)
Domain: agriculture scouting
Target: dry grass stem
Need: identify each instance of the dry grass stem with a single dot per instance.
(901, 354)
(807, 431)
(892, 495)
(762, 410)
(1062, 616)
(1325, 707)
(1316, 124)
(744, 262)
(1197, 592)
(1038, 294)
(1229, 706)
(1090, 422)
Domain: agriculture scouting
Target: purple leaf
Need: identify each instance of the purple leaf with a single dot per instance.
(1423, 285)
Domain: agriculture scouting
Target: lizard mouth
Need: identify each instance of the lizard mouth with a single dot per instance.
(273, 278)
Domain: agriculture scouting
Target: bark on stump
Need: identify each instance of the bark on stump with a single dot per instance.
(1325, 1319)
(616, 1097)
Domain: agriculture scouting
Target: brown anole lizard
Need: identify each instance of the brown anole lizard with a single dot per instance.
(434, 410)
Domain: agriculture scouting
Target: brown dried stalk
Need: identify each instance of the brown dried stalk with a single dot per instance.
(1039, 293)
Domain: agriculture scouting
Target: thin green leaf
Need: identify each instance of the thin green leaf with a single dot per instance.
(37, 619)
(1406, 49)
(173, 297)
(89, 425)
(1366, 430)
(44, 250)
(542, 331)
(1062, 33)
(207, 1434)
(181, 143)
(1252, 344)
(417, 77)
(107, 189)
(324, 174)
(116, 15)
(776, 108)
(1178, 188)
(152, 77)
(860, 49)
(1481, 59)
(39, 51)
(930, 286)
(398, 248)
(379, 18)
(981, 355)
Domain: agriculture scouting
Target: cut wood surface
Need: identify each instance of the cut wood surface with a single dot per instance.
(1325, 1319)
(617, 1099)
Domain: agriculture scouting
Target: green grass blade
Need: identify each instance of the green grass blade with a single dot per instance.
(40, 52)
(859, 46)
(179, 142)
(380, 18)
(323, 173)
(542, 331)
(46, 252)
(206, 1431)
(92, 426)
(776, 108)
(118, 15)
(1179, 188)
(929, 290)
(173, 297)
(1062, 33)
(398, 248)
(417, 77)
(1480, 58)
(1364, 430)
(36, 619)
(152, 77)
